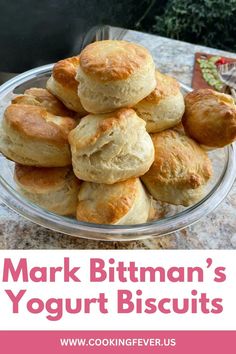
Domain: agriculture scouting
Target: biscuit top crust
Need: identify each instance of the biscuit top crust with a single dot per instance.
(210, 117)
(106, 204)
(83, 136)
(208, 97)
(35, 122)
(43, 98)
(112, 60)
(64, 72)
(179, 161)
(41, 180)
(166, 86)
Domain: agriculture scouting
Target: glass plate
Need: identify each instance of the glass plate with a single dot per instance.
(173, 217)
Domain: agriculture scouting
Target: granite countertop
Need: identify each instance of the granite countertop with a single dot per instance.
(215, 231)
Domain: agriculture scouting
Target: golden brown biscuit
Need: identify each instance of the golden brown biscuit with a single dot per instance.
(31, 135)
(55, 189)
(63, 85)
(43, 98)
(122, 203)
(180, 170)
(210, 118)
(114, 74)
(112, 147)
(164, 107)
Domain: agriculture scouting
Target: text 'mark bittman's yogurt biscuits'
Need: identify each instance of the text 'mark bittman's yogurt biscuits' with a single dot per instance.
(210, 118)
(54, 189)
(63, 84)
(31, 135)
(114, 74)
(164, 107)
(112, 147)
(122, 203)
(180, 170)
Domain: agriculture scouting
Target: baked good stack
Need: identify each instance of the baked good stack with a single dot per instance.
(104, 138)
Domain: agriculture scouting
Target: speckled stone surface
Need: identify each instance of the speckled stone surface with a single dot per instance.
(215, 231)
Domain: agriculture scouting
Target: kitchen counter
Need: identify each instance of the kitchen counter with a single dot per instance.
(215, 231)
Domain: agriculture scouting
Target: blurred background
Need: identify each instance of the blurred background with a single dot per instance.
(34, 33)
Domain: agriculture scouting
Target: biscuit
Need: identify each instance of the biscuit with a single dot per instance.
(43, 98)
(122, 203)
(31, 135)
(54, 189)
(63, 85)
(210, 118)
(164, 107)
(180, 170)
(111, 147)
(113, 74)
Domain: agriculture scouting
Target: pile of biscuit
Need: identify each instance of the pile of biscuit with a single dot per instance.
(105, 137)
